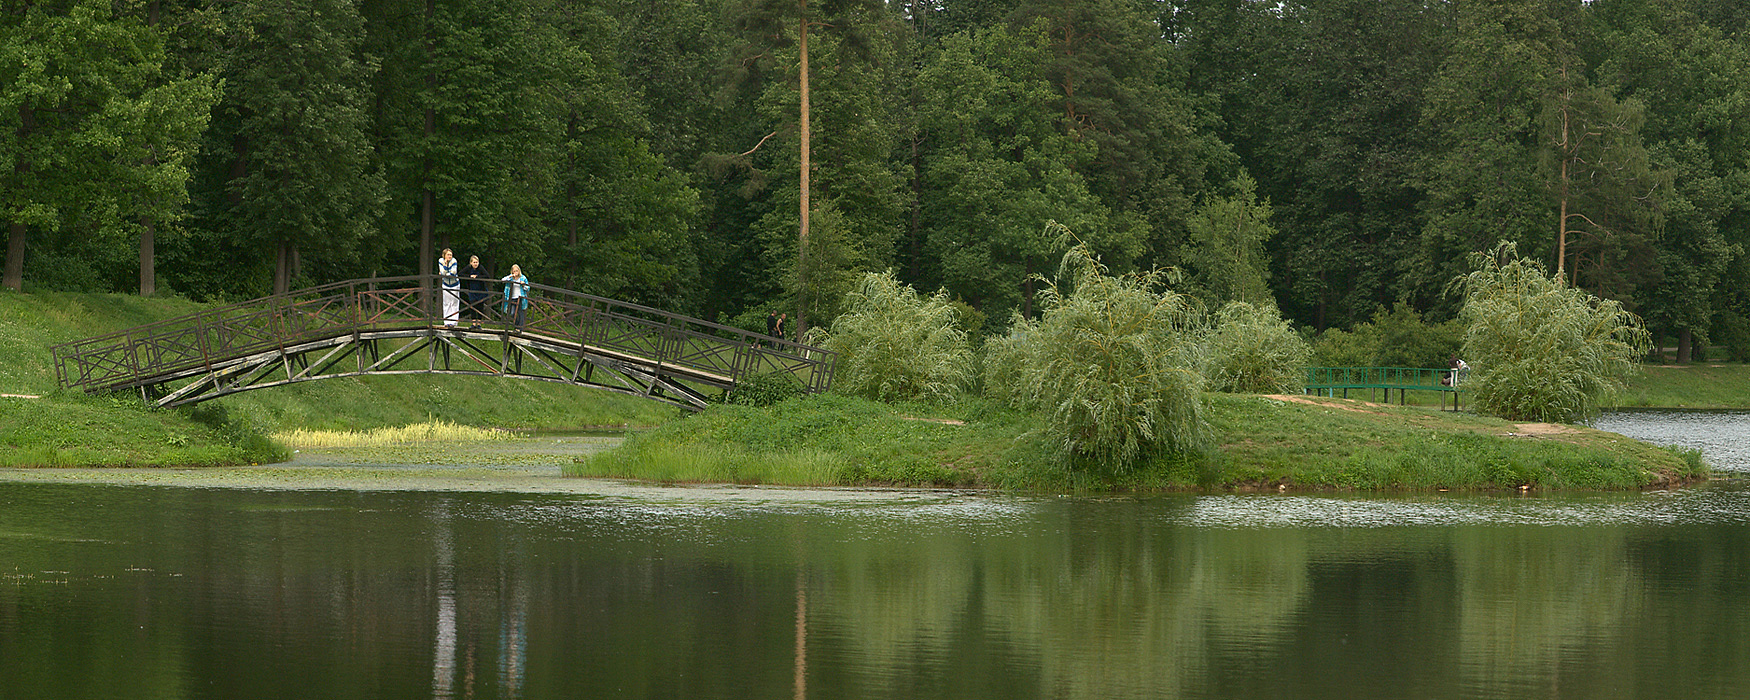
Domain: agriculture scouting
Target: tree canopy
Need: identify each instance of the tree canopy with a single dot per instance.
(726, 158)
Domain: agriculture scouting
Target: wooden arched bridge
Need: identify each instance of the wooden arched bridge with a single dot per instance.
(395, 325)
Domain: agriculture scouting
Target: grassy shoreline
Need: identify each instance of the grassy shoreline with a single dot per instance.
(71, 429)
(1263, 443)
(1693, 386)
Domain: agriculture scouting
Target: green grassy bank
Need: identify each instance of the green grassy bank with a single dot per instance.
(64, 428)
(1262, 443)
(1700, 385)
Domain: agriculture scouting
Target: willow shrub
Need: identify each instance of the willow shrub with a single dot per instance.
(1110, 363)
(894, 345)
(1538, 348)
(1395, 337)
(1252, 350)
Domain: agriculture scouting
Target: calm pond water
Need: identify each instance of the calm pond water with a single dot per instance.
(1724, 436)
(198, 589)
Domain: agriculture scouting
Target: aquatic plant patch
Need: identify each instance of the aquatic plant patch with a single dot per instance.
(428, 432)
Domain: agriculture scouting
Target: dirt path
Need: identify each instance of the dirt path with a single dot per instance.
(1541, 429)
(1355, 405)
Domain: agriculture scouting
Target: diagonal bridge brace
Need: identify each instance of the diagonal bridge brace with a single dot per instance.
(522, 357)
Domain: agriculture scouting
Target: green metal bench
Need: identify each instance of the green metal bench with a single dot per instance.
(1327, 381)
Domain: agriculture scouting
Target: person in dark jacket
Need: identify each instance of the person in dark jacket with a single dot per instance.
(474, 278)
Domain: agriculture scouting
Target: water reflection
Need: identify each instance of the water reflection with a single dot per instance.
(443, 664)
(117, 592)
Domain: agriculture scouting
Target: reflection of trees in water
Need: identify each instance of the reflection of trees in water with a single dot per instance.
(1124, 606)
(398, 595)
(513, 615)
(1543, 603)
(1075, 602)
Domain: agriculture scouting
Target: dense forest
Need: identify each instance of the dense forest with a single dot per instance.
(729, 157)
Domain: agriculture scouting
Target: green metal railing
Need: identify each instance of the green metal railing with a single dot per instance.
(1327, 381)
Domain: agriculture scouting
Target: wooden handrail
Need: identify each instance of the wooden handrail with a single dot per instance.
(133, 356)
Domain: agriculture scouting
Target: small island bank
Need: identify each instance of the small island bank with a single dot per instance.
(1260, 442)
(1274, 443)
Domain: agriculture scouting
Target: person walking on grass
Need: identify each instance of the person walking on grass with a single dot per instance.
(516, 294)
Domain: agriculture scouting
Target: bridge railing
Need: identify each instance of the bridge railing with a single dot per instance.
(1378, 378)
(143, 354)
(1327, 381)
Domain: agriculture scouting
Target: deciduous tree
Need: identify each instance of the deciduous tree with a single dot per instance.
(96, 136)
(303, 175)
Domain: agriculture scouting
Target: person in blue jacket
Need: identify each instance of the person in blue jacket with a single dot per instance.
(516, 294)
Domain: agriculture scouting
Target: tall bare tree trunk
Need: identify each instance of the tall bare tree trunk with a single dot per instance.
(428, 199)
(148, 256)
(149, 227)
(1567, 153)
(919, 11)
(571, 215)
(805, 298)
(15, 234)
(282, 267)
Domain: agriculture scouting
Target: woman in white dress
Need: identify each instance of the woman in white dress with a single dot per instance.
(452, 287)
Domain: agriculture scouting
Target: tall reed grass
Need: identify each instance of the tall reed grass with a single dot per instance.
(432, 431)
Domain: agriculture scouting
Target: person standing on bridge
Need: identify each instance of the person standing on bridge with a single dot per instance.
(452, 287)
(516, 294)
(474, 278)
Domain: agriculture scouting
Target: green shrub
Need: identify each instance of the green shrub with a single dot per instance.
(895, 346)
(1252, 350)
(1003, 358)
(1398, 337)
(1111, 363)
(1406, 340)
(764, 389)
(1340, 348)
(1539, 349)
